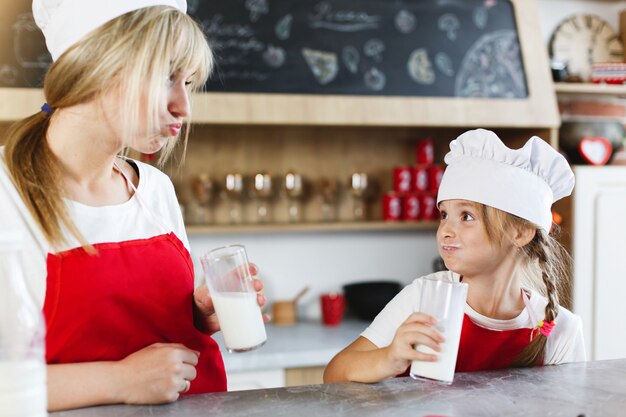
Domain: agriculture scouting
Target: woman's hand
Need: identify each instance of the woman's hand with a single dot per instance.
(204, 310)
(417, 329)
(157, 374)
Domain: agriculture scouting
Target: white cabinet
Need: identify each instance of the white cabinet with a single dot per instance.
(274, 378)
(599, 251)
(267, 378)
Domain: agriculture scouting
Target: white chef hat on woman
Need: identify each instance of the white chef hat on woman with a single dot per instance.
(524, 182)
(65, 22)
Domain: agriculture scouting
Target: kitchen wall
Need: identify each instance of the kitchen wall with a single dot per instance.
(326, 261)
(552, 12)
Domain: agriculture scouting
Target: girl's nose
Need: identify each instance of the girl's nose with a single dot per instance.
(446, 229)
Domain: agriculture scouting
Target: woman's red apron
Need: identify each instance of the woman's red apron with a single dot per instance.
(129, 295)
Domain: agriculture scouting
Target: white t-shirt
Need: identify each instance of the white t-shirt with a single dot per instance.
(565, 343)
(116, 223)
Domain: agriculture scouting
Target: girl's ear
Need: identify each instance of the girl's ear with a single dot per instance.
(523, 236)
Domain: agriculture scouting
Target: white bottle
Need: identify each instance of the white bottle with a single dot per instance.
(23, 391)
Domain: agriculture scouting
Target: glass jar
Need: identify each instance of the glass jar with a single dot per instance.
(22, 329)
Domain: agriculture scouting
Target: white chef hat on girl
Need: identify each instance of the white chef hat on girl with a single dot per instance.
(65, 22)
(524, 182)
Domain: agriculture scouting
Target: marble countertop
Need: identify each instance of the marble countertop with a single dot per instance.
(587, 389)
(302, 345)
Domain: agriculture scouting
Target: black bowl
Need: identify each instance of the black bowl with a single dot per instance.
(366, 299)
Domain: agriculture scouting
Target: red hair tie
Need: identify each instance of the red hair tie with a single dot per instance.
(545, 327)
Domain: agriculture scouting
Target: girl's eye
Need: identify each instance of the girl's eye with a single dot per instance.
(188, 83)
(443, 215)
(467, 217)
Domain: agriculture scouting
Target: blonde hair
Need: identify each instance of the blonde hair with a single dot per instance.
(545, 265)
(135, 52)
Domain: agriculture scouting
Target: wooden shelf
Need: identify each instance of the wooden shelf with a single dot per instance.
(590, 88)
(372, 226)
(18, 103)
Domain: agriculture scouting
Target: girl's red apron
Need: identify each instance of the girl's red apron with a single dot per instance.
(129, 295)
(484, 349)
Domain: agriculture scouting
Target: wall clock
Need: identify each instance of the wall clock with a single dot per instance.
(582, 40)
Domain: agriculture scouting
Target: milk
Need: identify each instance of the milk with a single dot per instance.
(23, 389)
(240, 319)
(442, 369)
(444, 301)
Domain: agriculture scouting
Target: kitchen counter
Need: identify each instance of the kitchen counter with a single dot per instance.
(302, 345)
(586, 388)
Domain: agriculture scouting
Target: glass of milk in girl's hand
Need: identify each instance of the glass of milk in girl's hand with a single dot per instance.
(228, 277)
(445, 301)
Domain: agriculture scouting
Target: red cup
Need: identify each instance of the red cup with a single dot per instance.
(333, 305)
(402, 179)
(428, 206)
(392, 206)
(425, 152)
(420, 178)
(411, 207)
(435, 173)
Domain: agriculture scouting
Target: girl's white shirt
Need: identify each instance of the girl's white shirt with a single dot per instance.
(565, 343)
(114, 223)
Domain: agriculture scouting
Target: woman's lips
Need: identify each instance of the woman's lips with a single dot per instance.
(174, 128)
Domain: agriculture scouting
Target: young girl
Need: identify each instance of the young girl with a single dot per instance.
(107, 256)
(495, 206)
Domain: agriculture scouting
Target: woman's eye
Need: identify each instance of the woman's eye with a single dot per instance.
(188, 83)
(443, 215)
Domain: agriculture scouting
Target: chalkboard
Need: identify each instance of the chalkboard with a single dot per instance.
(436, 48)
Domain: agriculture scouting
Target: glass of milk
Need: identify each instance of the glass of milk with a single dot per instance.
(228, 277)
(445, 301)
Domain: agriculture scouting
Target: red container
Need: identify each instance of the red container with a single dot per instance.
(333, 306)
(411, 207)
(402, 179)
(420, 178)
(435, 173)
(425, 152)
(428, 206)
(392, 207)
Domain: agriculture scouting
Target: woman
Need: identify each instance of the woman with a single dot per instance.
(107, 256)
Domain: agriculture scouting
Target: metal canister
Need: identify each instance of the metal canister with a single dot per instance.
(402, 179)
(392, 206)
(427, 204)
(411, 207)
(425, 152)
(420, 178)
(435, 173)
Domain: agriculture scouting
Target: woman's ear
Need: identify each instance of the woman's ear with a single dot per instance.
(523, 236)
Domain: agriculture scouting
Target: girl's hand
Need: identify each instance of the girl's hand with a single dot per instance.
(417, 329)
(157, 374)
(204, 310)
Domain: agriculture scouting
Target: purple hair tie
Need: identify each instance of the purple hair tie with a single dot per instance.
(46, 107)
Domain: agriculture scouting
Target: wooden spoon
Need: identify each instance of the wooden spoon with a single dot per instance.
(300, 294)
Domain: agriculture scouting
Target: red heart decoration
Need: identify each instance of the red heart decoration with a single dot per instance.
(595, 151)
